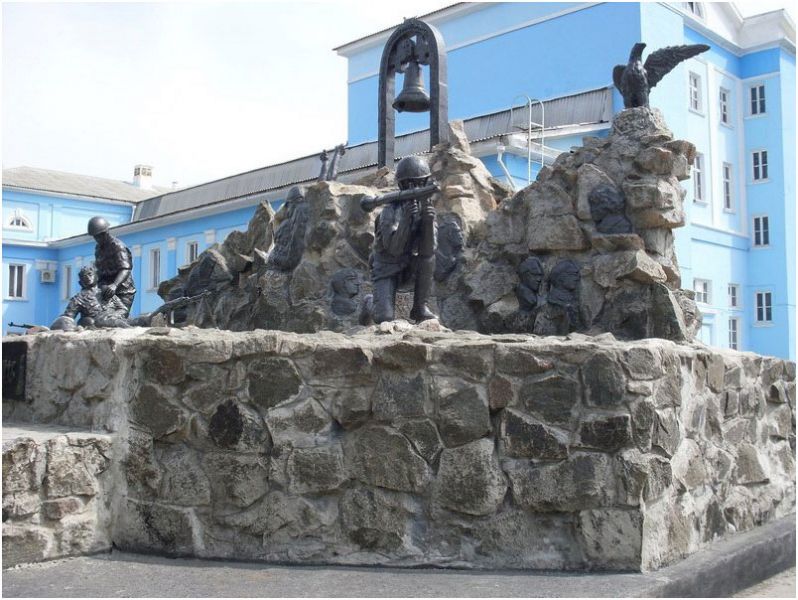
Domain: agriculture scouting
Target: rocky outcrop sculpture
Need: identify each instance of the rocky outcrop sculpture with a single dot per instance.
(598, 221)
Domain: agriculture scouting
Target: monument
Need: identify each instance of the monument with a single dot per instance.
(557, 414)
(114, 264)
(404, 241)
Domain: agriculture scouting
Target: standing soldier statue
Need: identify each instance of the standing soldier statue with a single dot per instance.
(114, 264)
(404, 241)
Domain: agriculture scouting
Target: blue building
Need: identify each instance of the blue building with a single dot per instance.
(530, 80)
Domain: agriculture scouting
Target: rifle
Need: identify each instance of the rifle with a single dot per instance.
(168, 308)
(21, 325)
(369, 203)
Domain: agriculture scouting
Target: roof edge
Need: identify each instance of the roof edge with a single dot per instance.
(372, 39)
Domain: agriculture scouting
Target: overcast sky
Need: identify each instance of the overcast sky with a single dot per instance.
(198, 90)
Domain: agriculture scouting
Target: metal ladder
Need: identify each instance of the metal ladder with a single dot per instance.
(540, 128)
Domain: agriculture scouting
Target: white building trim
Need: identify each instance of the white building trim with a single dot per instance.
(49, 193)
(382, 37)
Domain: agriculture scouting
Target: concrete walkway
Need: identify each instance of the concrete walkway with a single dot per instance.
(778, 586)
(725, 569)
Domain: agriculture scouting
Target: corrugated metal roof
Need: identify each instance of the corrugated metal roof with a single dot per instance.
(47, 180)
(594, 106)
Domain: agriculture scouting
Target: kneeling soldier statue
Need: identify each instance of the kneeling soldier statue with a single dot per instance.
(94, 311)
(404, 241)
(114, 264)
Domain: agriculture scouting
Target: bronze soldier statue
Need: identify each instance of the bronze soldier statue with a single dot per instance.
(89, 306)
(404, 241)
(114, 264)
(92, 310)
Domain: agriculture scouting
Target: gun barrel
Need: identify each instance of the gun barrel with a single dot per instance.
(369, 203)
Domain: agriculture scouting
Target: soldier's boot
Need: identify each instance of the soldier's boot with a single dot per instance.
(384, 300)
(423, 288)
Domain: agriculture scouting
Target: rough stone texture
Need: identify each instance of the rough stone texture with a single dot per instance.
(629, 274)
(57, 491)
(410, 447)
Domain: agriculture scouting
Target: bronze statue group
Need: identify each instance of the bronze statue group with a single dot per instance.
(405, 235)
(107, 288)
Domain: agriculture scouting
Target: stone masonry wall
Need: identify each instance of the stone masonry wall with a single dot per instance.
(56, 494)
(431, 448)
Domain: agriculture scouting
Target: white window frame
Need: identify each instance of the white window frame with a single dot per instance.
(734, 333)
(189, 245)
(764, 295)
(155, 268)
(733, 292)
(67, 285)
(727, 176)
(23, 287)
(706, 293)
(764, 228)
(18, 215)
(695, 100)
(759, 161)
(699, 191)
(755, 98)
(725, 106)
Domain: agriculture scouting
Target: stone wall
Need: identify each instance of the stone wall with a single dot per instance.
(56, 494)
(431, 448)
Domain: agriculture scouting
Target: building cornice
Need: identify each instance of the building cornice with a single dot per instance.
(53, 194)
(380, 37)
(481, 38)
(28, 243)
(738, 50)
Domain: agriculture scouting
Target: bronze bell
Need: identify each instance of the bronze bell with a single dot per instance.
(413, 97)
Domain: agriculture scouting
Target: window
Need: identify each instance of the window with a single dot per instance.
(734, 336)
(703, 289)
(695, 92)
(155, 267)
(67, 287)
(728, 201)
(19, 221)
(760, 164)
(192, 251)
(764, 309)
(758, 100)
(698, 178)
(761, 231)
(16, 281)
(734, 295)
(724, 106)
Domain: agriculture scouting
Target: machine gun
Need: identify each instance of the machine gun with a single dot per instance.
(21, 325)
(369, 203)
(169, 308)
(28, 327)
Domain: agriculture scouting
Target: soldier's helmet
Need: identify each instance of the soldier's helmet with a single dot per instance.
(295, 194)
(412, 167)
(98, 225)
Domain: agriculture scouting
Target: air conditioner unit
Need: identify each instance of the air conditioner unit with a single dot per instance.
(47, 275)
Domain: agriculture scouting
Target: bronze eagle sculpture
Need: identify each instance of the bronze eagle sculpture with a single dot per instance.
(636, 79)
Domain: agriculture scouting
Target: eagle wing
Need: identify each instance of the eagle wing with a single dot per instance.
(617, 73)
(660, 63)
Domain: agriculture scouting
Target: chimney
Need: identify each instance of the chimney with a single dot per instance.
(142, 176)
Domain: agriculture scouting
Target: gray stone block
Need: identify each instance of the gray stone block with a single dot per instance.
(469, 479)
